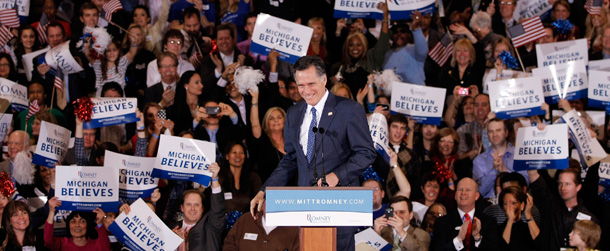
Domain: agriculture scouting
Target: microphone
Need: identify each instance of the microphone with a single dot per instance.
(314, 183)
(322, 132)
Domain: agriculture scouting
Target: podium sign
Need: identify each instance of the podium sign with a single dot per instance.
(317, 207)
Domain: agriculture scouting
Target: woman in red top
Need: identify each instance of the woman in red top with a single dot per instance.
(83, 234)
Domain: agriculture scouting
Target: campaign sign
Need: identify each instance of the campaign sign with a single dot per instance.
(547, 149)
(23, 8)
(599, 89)
(28, 61)
(402, 9)
(5, 123)
(135, 178)
(357, 9)
(60, 57)
(514, 98)
(370, 238)
(562, 52)
(563, 81)
(15, 93)
(142, 230)
(378, 127)
(84, 188)
(530, 8)
(112, 111)
(291, 40)
(491, 75)
(184, 159)
(588, 147)
(424, 104)
(602, 65)
(309, 207)
(52, 144)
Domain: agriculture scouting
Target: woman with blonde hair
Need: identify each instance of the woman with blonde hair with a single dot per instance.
(462, 71)
(268, 138)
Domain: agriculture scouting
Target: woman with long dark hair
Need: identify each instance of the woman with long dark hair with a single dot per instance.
(237, 178)
(188, 98)
(17, 234)
(27, 41)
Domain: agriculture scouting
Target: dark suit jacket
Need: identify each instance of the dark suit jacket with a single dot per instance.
(445, 230)
(227, 132)
(206, 70)
(154, 93)
(206, 234)
(348, 145)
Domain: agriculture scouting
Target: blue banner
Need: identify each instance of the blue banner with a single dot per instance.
(184, 159)
(89, 206)
(520, 113)
(135, 178)
(599, 89)
(546, 149)
(405, 9)
(357, 9)
(173, 175)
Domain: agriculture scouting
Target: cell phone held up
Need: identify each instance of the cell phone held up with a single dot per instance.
(213, 110)
(385, 106)
(389, 212)
(162, 114)
(463, 91)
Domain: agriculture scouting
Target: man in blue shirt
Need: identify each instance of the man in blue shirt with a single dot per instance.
(495, 160)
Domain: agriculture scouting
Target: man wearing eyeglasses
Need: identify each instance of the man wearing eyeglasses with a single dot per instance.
(396, 229)
(504, 19)
(172, 43)
(164, 91)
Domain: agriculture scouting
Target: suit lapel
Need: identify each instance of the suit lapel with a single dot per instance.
(300, 113)
(327, 116)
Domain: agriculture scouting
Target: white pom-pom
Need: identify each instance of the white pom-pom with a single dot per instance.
(246, 79)
(100, 39)
(384, 79)
(23, 170)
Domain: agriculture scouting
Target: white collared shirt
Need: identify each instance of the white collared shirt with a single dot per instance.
(307, 120)
(241, 105)
(172, 85)
(458, 244)
(396, 234)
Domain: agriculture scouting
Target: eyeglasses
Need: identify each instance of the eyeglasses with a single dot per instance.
(167, 66)
(175, 42)
(506, 2)
(5, 65)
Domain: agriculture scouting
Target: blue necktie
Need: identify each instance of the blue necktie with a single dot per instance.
(311, 136)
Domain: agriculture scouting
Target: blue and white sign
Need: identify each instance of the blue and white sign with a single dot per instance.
(112, 111)
(142, 230)
(52, 145)
(23, 8)
(547, 149)
(15, 93)
(604, 173)
(599, 89)
(60, 57)
(319, 207)
(358, 9)
(602, 65)
(515, 98)
(5, 123)
(588, 147)
(378, 127)
(85, 188)
(531, 8)
(402, 9)
(135, 179)
(291, 40)
(562, 52)
(371, 239)
(28, 61)
(184, 159)
(563, 81)
(424, 104)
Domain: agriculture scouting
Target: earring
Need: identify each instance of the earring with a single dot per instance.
(186, 88)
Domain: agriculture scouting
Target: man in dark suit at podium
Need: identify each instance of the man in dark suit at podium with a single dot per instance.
(465, 228)
(348, 145)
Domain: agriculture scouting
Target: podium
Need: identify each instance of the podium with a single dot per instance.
(318, 211)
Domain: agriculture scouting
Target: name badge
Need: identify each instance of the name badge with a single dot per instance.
(149, 38)
(228, 196)
(582, 216)
(140, 66)
(250, 236)
(205, 7)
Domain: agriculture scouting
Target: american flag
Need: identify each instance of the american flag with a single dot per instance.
(527, 31)
(442, 50)
(42, 30)
(594, 7)
(34, 108)
(58, 82)
(8, 17)
(110, 8)
(5, 35)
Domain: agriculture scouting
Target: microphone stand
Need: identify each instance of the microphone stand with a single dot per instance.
(324, 183)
